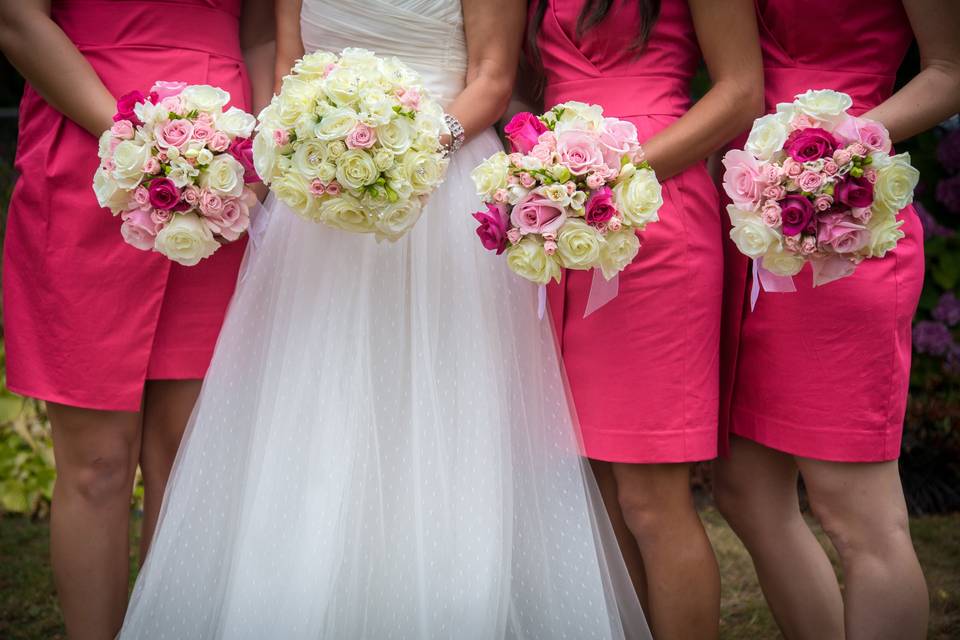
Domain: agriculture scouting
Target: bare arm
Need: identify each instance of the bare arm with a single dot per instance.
(289, 40)
(727, 32)
(934, 93)
(62, 76)
(258, 41)
(494, 30)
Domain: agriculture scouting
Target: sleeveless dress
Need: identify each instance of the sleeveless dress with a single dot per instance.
(382, 448)
(823, 373)
(87, 317)
(644, 368)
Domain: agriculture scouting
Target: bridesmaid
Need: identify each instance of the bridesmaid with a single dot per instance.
(114, 339)
(822, 374)
(658, 340)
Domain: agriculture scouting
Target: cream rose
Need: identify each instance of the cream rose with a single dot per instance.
(186, 240)
(823, 104)
(204, 97)
(579, 115)
(355, 169)
(617, 251)
(752, 237)
(309, 157)
(782, 263)
(128, 159)
(578, 245)
(528, 260)
(342, 86)
(638, 196)
(347, 213)
(335, 125)
(224, 176)
(236, 123)
(294, 191)
(767, 136)
(314, 64)
(423, 170)
(396, 136)
(108, 193)
(491, 175)
(896, 180)
(885, 232)
(397, 219)
(264, 155)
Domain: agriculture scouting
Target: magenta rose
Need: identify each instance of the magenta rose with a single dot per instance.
(806, 145)
(164, 194)
(125, 105)
(523, 131)
(242, 150)
(493, 227)
(600, 207)
(854, 192)
(537, 214)
(796, 212)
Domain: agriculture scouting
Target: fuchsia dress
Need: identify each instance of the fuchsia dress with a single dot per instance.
(823, 373)
(88, 318)
(643, 369)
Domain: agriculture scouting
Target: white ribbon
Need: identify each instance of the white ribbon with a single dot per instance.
(602, 291)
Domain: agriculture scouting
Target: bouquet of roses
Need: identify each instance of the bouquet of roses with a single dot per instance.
(571, 195)
(352, 141)
(173, 166)
(816, 184)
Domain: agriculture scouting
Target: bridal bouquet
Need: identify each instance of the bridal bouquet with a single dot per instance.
(352, 141)
(816, 184)
(571, 195)
(173, 167)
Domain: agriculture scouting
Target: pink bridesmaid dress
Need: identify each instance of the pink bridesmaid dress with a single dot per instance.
(89, 318)
(823, 373)
(643, 369)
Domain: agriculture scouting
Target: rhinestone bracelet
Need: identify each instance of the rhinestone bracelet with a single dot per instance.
(457, 133)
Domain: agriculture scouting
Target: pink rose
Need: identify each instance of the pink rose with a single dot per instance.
(870, 174)
(230, 221)
(862, 214)
(527, 181)
(523, 131)
(333, 188)
(858, 149)
(191, 195)
(807, 145)
(803, 121)
(830, 167)
(141, 196)
(151, 166)
(317, 188)
(164, 194)
(122, 129)
(409, 98)
(792, 168)
(493, 227)
(549, 247)
(219, 142)
(808, 245)
(869, 133)
(579, 151)
(822, 202)
(842, 157)
(770, 214)
(138, 229)
(175, 133)
(536, 213)
(125, 105)
(741, 179)
(600, 208)
(514, 235)
(242, 150)
(542, 152)
(165, 89)
(501, 195)
(792, 243)
(281, 137)
(594, 181)
(614, 224)
(618, 138)
(842, 233)
(202, 132)
(770, 173)
(210, 204)
(774, 192)
(173, 104)
(810, 181)
(362, 137)
(160, 218)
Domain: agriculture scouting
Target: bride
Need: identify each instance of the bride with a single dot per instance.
(383, 447)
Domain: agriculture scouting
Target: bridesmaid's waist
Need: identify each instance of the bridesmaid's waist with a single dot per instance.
(783, 83)
(99, 24)
(624, 97)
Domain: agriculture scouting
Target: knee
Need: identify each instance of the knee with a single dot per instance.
(855, 533)
(101, 479)
(652, 515)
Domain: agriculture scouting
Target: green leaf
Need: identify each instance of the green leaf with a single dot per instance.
(10, 406)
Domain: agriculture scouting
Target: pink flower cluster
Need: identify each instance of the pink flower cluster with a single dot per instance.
(569, 170)
(175, 152)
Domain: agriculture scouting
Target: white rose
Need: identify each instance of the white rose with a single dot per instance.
(638, 197)
(579, 115)
(355, 169)
(186, 240)
(336, 149)
(103, 144)
(150, 114)
(375, 107)
(314, 64)
(335, 125)
(326, 171)
(618, 250)
(896, 180)
(182, 172)
(128, 159)
(204, 156)
(752, 237)
(236, 123)
(294, 191)
(108, 193)
(396, 136)
(399, 73)
(397, 219)
(578, 245)
(491, 175)
(424, 170)
(767, 136)
(342, 86)
(782, 263)
(383, 159)
(264, 155)
(309, 157)
(823, 104)
(885, 232)
(205, 98)
(347, 213)
(359, 58)
(528, 260)
(224, 176)
(295, 99)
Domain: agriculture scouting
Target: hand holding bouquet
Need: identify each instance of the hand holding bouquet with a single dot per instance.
(815, 184)
(571, 195)
(352, 141)
(173, 167)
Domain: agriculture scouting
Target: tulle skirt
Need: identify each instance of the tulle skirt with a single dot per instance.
(383, 449)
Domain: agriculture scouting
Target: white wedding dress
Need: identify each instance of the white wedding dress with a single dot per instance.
(383, 446)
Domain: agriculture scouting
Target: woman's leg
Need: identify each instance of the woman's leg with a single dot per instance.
(756, 491)
(862, 509)
(167, 405)
(682, 578)
(96, 454)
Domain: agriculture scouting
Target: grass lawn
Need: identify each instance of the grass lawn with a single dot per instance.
(28, 608)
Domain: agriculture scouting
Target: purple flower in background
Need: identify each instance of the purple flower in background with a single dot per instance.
(948, 193)
(933, 338)
(952, 364)
(948, 309)
(931, 228)
(948, 151)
